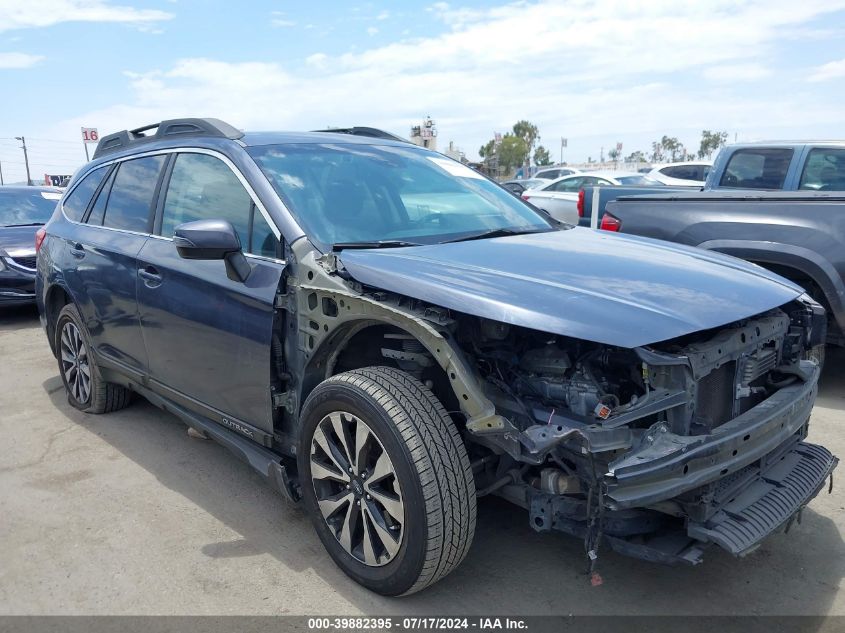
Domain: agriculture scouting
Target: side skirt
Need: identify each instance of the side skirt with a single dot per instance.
(278, 471)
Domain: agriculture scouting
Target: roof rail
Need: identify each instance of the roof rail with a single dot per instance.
(166, 129)
(365, 131)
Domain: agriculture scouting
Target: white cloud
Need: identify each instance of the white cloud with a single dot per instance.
(599, 71)
(15, 14)
(280, 20)
(18, 60)
(384, 15)
(736, 72)
(371, 30)
(317, 60)
(828, 71)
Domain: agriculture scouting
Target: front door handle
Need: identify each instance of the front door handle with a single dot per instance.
(77, 250)
(150, 275)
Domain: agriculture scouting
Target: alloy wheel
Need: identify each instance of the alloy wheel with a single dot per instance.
(75, 365)
(357, 489)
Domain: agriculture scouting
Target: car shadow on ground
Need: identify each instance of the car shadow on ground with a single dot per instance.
(18, 318)
(510, 568)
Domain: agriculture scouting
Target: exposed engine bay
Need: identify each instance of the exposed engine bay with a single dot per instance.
(645, 447)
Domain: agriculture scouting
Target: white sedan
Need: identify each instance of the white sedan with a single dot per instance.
(559, 198)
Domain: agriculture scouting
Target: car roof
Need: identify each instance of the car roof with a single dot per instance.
(251, 139)
(784, 143)
(610, 174)
(709, 163)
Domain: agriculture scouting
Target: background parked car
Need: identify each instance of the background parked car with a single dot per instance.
(518, 186)
(559, 198)
(555, 172)
(22, 211)
(682, 174)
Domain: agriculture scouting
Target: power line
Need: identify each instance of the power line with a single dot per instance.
(42, 140)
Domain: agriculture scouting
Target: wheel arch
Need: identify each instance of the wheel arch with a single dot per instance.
(795, 263)
(357, 344)
(56, 298)
(355, 320)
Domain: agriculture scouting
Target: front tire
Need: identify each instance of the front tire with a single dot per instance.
(386, 480)
(86, 389)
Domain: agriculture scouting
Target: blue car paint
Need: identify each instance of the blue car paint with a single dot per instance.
(611, 289)
(644, 293)
(126, 319)
(100, 274)
(224, 327)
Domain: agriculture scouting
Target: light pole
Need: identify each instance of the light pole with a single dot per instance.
(25, 159)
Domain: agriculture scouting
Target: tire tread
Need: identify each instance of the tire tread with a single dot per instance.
(439, 457)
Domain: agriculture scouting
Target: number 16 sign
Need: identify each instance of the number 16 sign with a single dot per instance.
(89, 135)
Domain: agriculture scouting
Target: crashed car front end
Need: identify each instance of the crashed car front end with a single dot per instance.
(633, 393)
(660, 450)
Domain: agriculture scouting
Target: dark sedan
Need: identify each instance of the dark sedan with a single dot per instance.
(23, 210)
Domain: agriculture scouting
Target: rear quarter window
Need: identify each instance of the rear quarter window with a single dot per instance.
(763, 168)
(132, 192)
(77, 202)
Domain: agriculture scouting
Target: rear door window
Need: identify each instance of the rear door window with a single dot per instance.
(683, 172)
(570, 184)
(131, 199)
(824, 170)
(763, 168)
(77, 202)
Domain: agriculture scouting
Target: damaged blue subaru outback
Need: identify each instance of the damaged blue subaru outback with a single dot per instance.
(386, 336)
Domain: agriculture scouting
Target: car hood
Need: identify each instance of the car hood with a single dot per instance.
(18, 240)
(614, 289)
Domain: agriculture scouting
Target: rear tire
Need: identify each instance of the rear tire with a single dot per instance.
(86, 389)
(390, 423)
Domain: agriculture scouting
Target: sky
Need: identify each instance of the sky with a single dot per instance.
(597, 72)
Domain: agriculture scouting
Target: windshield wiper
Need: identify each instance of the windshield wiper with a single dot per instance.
(496, 233)
(25, 224)
(339, 246)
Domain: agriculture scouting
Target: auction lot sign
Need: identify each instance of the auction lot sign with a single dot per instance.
(90, 135)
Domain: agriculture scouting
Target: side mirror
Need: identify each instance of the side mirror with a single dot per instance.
(213, 239)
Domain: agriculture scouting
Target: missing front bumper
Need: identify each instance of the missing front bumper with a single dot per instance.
(666, 465)
(747, 510)
(769, 501)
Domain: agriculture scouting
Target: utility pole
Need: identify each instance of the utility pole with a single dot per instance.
(25, 159)
(1, 175)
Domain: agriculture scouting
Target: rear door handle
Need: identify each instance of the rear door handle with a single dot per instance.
(150, 275)
(77, 250)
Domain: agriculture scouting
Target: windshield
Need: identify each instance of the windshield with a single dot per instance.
(346, 193)
(27, 207)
